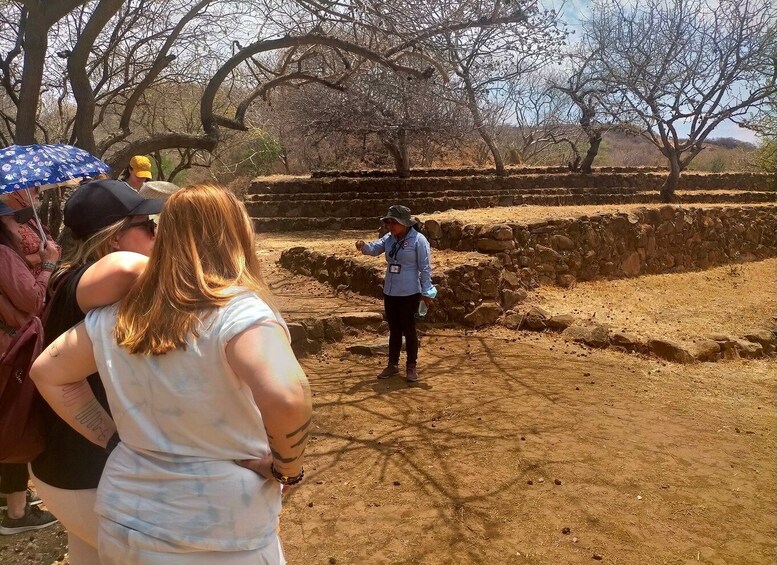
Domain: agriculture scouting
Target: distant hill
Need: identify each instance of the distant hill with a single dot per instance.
(719, 154)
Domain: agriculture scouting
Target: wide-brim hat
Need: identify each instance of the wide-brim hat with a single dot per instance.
(158, 189)
(399, 213)
(98, 204)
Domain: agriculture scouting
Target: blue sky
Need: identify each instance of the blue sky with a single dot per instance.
(575, 10)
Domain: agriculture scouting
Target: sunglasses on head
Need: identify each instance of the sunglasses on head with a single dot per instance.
(148, 225)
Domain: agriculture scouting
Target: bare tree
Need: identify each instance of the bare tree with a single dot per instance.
(541, 119)
(589, 95)
(486, 60)
(397, 111)
(682, 67)
(105, 58)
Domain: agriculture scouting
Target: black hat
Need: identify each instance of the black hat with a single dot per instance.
(399, 213)
(100, 203)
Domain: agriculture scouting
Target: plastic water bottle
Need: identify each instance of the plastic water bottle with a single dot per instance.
(422, 308)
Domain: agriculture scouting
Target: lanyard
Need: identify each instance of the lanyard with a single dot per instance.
(396, 248)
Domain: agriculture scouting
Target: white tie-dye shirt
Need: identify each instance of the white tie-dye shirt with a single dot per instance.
(184, 418)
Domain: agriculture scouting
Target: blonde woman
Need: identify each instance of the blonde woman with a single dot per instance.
(212, 408)
(113, 237)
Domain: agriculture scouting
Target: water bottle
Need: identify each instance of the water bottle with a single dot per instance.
(422, 308)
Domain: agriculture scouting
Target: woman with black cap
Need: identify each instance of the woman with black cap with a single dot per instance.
(113, 237)
(408, 281)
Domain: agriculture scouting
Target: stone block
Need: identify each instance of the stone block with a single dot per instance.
(593, 335)
(362, 319)
(512, 320)
(705, 350)
(749, 349)
(334, 329)
(560, 322)
(670, 350)
(484, 314)
(536, 318)
(512, 297)
(627, 341)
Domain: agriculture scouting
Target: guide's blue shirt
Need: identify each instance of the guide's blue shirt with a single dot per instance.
(413, 255)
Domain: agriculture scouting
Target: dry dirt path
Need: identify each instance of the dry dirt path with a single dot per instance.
(656, 463)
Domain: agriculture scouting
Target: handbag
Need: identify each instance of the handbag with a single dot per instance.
(22, 425)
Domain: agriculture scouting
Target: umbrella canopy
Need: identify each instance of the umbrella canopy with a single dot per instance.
(29, 166)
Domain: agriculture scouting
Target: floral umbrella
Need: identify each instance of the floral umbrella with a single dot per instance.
(44, 166)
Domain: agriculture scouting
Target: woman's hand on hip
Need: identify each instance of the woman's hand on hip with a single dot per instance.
(259, 466)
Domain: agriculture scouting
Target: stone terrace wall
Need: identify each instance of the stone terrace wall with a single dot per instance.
(643, 181)
(479, 283)
(471, 171)
(646, 241)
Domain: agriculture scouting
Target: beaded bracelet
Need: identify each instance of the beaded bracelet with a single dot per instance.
(48, 266)
(285, 479)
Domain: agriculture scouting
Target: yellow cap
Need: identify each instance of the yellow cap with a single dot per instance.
(141, 166)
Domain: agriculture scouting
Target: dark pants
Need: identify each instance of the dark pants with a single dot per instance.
(400, 315)
(13, 477)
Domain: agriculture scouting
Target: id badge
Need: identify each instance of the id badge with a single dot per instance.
(394, 268)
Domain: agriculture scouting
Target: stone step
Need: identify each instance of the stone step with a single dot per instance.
(643, 181)
(350, 196)
(345, 212)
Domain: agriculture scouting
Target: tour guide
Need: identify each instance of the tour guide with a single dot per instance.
(408, 281)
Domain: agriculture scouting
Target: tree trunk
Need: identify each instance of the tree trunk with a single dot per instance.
(498, 162)
(593, 149)
(670, 185)
(35, 45)
(398, 150)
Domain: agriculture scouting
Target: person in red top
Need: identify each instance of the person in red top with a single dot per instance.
(22, 294)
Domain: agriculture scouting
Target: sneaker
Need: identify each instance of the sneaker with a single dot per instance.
(389, 371)
(32, 499)
(34, 519)
(411, 373)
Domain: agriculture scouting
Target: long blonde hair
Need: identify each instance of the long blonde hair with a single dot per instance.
(204, 249)
(93, 248)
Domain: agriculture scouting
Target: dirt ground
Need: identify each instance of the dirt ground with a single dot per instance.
(522, 448)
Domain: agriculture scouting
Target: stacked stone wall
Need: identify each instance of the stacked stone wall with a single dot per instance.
(642, 180)
(472, 171)
(646, 241)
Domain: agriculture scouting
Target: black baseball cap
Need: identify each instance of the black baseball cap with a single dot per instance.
(100, 203)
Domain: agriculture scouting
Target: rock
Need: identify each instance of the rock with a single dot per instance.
(749, 349)
(314, 327)
(560, 322)
(512, 320)
(297, 331)
(705, 350)
(333, 328)
(512, 297)
(487, 244)
(511, 280)
(362, 319)
(627, 341)
(369, 349)
(432, 229)
(489, 286)
(502, 232)
(562, 243)
(765, 338)
(632, 265)
(593, 335)
(669, 350)
(566, 531)
(535, 318)
(566, 281)
(546, 254)
(484, 314)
